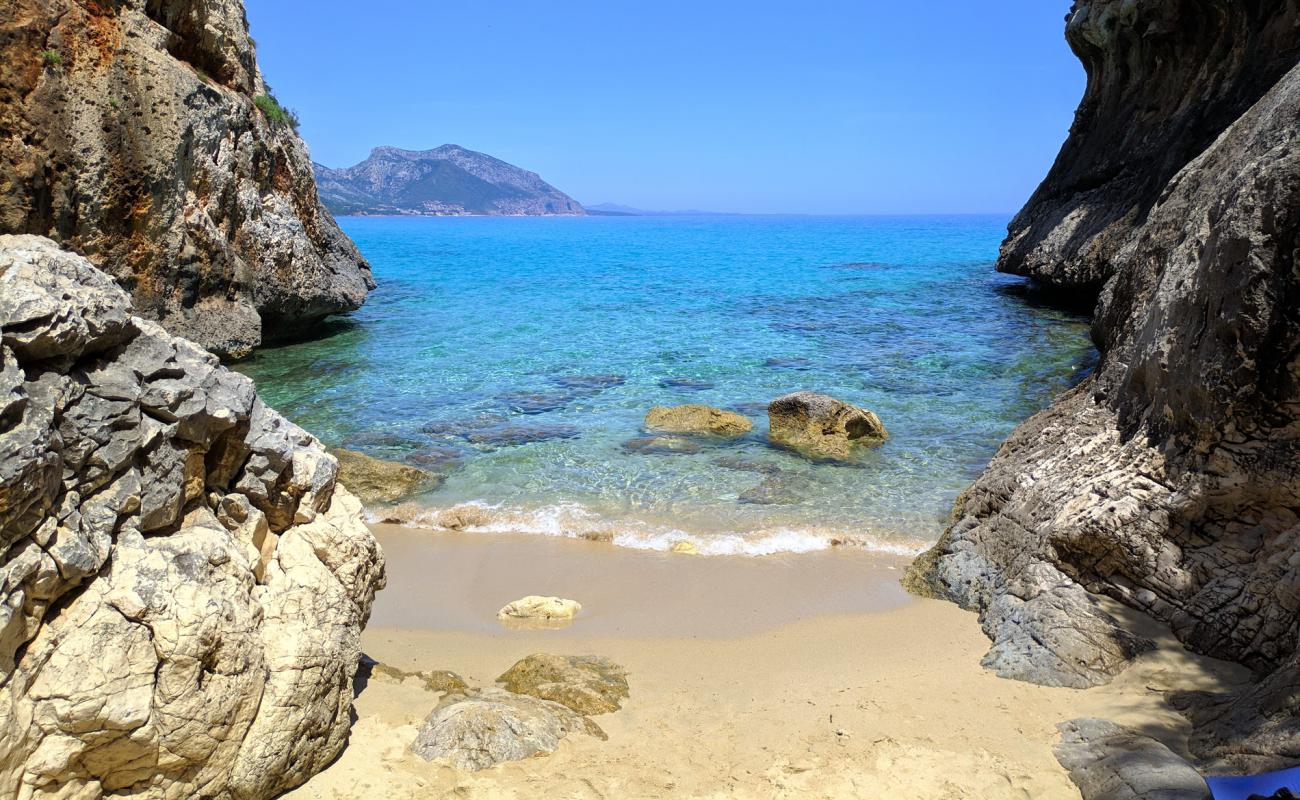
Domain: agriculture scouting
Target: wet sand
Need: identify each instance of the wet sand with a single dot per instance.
(803, 676)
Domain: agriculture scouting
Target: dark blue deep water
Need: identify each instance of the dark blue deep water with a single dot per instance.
(519, 355)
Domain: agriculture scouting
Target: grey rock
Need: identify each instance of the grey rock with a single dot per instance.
(1108, 762)
(213, 656)
(1168, 480)
(480, 728)
(662, 445)
(143, 150)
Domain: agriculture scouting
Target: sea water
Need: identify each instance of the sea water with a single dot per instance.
(518, 357)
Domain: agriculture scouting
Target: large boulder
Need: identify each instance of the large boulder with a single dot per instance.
(375, 480)
(183, 582)
(1170, 479)
(586, 684)
(479, 728)
(820, 426)
(699, 419)
(133, 135)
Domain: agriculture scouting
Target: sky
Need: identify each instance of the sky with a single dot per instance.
(814, 107)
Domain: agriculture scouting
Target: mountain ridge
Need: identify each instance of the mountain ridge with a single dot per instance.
(448, 180)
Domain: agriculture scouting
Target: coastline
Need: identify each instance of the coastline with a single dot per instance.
(825, 681)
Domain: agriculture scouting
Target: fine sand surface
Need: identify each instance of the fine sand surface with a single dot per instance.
(792, 676)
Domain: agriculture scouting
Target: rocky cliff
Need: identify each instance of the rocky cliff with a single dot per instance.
(444, 181)
(183, 584)
(140, 133)
(1170, 479)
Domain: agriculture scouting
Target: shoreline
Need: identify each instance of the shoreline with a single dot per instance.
(807, 694)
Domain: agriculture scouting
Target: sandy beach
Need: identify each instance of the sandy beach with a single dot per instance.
(794, 676)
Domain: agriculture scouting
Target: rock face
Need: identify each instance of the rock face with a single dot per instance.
(586, 684)
(697, 419)
(1108, 762)
(1170, 479)
(375, 480)
(821, 426)
(131, 136)
(183, 584)
(444, 181)
(479, 728)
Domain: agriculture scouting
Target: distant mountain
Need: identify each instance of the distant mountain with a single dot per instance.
(445, 181)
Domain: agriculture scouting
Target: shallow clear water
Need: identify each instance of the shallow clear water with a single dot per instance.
(487, 332)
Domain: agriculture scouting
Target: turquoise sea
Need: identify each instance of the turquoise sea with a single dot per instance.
(518, 356)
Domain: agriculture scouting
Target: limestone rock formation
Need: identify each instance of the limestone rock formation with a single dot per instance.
(821, 426)
(586, 684)
(697, 419)
(375, 480)
(1170, 478)
(183, 583)
(479, 728)
(131, 135)
(1108, 762)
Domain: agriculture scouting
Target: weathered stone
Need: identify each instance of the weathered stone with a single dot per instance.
(1170, 478)
(586, 684)
(1108, 762)
(822, 427)
(697, 419)
(480, 728)
(211, 658)
(142, 148)
(435, 680)
(538, 607)
(375, 480)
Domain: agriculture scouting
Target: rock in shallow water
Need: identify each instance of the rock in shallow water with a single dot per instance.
(663, 445)
(479, 728)
(586, 684)
(820, 426)
(375, 480)
(697, 419)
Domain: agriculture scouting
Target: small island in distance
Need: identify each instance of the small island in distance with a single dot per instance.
(446, 181)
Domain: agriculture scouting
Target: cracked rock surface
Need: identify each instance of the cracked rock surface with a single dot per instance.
(183, 583)
(1169, 480)
(129, 134)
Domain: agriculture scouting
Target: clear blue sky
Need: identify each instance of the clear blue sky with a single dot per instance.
(825, 106)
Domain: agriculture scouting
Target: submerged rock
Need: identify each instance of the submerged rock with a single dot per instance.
(665, 445)
(586, 684)
(796, 364)
(590, 384)
(690, 384)
(821, 426)
(1108, 762)
(538, 607)
(512, 435)
(697, 419)
(183, 581)
(536, 402)
(773, 490)
(375, 480)
(479, 728)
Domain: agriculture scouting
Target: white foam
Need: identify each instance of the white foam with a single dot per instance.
(575, 521)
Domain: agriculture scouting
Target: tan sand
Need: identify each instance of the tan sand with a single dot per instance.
(803, 676)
